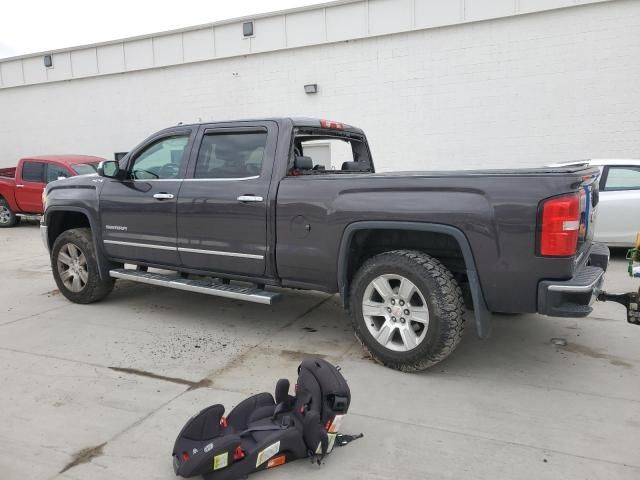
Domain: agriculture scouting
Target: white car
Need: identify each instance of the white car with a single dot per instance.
(618, 214)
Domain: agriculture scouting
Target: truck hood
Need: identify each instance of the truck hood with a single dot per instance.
(91, 180)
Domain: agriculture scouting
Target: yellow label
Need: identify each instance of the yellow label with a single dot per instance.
(267, 453)
(221, 461)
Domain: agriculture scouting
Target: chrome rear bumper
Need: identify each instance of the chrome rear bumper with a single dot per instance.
(574, 297)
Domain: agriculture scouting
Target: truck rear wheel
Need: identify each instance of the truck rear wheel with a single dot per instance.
(75, 267)
(7, 217)
(407, 310)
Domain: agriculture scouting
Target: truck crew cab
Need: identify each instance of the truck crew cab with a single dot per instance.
(296, 202)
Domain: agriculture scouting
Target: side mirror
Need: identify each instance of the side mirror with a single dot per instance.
(109, 169)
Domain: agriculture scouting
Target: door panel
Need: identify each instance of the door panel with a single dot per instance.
(618, 217)
(29, 188)
(137, 226)
(138, 213)
(222, 207)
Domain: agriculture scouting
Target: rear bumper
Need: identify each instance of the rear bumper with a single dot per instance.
(574, 297)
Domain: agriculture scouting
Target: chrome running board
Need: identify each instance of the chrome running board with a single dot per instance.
(208, 287)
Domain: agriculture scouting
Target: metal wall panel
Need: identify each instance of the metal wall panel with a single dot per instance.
(61, 69)
(34, 70)
(138, 54)
(198, 45)
(345, 22)
(306, 28)
(167, 50)
(386, 16)
(483, 9)
(111, 58)
(12, 73)
(432, 13)
(269, 34)
(229, 40)
(84, 62)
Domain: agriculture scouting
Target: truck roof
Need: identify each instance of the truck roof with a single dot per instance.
(296, 121)
(66, 159)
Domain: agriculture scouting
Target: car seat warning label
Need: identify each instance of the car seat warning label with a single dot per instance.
(267, 453)
(221, 461)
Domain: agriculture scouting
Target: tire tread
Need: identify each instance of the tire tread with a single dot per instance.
(449, 299)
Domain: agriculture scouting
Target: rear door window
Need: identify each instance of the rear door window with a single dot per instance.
(33, 172)
(54, 172)
(622, 178)
(231, 155)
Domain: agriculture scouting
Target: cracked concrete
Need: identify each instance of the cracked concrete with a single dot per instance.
(100, 392)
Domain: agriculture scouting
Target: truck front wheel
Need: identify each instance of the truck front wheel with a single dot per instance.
(407, 310)
(75, 267)
(7, 217)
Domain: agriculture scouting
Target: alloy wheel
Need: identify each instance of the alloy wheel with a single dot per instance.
(395, 312)
(5, 214)
(72, 267)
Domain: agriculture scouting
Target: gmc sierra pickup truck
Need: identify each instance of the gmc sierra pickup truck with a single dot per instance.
(21, 187)
(234, 208)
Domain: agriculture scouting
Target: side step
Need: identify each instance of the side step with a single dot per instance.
(29, 217)
(208, 287)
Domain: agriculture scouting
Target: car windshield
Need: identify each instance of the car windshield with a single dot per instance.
(85, 168)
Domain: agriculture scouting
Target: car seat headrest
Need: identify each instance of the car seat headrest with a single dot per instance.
(282, 390)
(303, 163)
(353, 167)
(206, 425)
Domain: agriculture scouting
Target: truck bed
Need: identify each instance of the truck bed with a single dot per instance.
(493, 172)
(8, 172)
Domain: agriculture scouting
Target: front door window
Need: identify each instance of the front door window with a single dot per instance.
(162, 160)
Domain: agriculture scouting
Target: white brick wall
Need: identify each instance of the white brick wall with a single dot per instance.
(523, 90)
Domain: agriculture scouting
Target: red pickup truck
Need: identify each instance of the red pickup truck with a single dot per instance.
(21, 187)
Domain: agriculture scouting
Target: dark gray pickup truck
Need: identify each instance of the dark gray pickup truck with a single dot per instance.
(234, 208)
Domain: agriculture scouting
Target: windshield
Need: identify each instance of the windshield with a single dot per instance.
(85, 168)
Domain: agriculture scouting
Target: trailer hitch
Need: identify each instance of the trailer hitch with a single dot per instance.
(631, 301)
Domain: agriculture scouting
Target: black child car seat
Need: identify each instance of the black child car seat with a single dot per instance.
(261, 433)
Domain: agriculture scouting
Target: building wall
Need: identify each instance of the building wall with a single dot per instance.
(513, 91)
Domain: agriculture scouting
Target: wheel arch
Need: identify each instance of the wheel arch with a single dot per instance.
(9, 199)
(345, 263)
(61, 219)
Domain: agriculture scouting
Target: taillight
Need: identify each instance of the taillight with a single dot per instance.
(331, 124)
(560, 226)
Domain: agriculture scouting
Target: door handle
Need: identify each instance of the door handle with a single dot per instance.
(19, 186)
(250, 199)
(164, 196)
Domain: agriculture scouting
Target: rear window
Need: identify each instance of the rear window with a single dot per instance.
(85, 168)
(33, 172)
(316, 152)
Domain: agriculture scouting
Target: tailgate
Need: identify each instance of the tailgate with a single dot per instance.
(589, 197)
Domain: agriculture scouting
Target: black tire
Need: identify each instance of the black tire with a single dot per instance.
(8, 218)
(95, 288)
(443, 298)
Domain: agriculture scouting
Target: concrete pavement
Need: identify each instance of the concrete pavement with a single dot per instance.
(100, 391)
